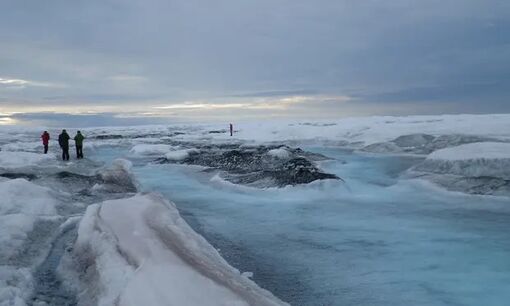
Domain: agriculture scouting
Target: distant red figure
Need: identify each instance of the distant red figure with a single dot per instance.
(231, 129)
(45, 140)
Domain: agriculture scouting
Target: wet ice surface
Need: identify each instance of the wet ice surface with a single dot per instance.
(49, 287)
(375, 241)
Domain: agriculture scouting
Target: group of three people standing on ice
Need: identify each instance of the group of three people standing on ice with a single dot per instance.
(63, 141)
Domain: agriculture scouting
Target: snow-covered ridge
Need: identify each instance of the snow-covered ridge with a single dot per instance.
(481, 168)
(139, 251)
(423, 144)
(472, 151)
(484, 159)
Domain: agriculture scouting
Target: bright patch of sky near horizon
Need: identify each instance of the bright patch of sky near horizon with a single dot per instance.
(181, 60)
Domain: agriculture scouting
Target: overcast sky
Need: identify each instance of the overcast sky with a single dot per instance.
(122, 60)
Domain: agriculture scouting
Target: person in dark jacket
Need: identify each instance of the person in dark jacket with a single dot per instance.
(63, 141)
(45, 140)
(78, 140)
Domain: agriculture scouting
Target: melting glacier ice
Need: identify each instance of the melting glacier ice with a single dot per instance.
(375, 240)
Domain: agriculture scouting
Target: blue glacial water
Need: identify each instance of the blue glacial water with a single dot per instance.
(376, 240)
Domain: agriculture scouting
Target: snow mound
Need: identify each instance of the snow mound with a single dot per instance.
(279, 153)
(9, 160)
(179, 155)
(118, 178)
(139, 251)
(122, 164)
(150, 149)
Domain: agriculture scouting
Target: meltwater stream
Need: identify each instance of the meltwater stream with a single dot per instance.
(376, 241)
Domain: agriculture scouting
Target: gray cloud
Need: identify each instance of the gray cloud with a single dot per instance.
(397, 54)
(64, 120)
(277, 93)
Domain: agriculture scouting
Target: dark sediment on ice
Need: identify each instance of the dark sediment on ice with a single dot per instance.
(258, 166)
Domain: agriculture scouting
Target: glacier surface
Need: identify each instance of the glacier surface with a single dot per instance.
(81, 233)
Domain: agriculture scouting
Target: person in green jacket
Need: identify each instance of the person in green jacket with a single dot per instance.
(78, 140)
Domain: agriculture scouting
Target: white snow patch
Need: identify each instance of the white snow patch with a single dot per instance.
(180, 154)
(279, 153)
(144, 253)
(150, 149)
(23, 159)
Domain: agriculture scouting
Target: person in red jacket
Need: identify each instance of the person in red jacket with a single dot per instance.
(45, 140)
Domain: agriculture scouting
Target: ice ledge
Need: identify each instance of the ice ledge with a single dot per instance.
(139, 251)
(473, 151)
(484, 159)
(476, 168)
